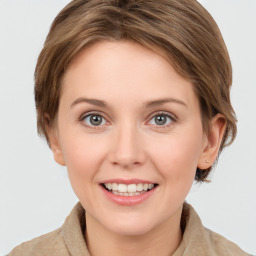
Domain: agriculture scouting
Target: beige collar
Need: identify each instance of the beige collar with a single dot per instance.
(197, 240)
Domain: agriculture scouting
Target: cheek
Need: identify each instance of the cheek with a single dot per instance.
(176, 157)
(83, 155)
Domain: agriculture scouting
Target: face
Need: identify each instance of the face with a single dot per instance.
(129, 131)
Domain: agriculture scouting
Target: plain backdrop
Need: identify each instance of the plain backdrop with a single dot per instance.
(35, 194)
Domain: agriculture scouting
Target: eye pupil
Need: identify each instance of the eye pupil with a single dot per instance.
(160, 120)
(96, 120)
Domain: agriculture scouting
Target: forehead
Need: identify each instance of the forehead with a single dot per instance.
(117, 53)
(114, 69)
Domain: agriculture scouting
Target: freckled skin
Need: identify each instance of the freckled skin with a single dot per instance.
(129, 144)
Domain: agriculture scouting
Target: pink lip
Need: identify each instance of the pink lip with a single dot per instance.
(127, 200)
(130, 181)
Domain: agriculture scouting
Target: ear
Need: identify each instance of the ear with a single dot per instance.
(54, 142)
(213, 141)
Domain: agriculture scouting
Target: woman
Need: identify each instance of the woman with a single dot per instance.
(133, 97)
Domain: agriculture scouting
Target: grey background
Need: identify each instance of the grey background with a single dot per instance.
(35, 194)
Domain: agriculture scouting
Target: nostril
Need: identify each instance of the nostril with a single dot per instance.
(126, 150)
(126, 164)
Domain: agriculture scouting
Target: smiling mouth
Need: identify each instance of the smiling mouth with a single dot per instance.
(128, 190)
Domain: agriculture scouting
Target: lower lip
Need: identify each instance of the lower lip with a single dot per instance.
(128, 200)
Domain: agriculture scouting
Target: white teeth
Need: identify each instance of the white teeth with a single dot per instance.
(139, 187)
(109, 186)
(128, 190)
(150, 186)
(127, 194)
(131, 188)
(114, 186)
(122, 188)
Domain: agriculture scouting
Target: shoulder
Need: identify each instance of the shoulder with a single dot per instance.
(223, 246)
(199, 240)
(49, 244)
(65, 241)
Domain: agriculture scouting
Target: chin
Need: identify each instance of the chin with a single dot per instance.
(130, 227)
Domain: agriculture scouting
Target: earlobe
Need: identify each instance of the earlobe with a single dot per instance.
(55, 144)
(214, 140)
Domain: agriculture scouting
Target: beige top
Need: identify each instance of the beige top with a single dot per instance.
(69, 240)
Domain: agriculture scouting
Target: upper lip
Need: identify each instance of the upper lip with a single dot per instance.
(127, 181)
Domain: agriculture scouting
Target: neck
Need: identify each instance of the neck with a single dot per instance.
(162, 241)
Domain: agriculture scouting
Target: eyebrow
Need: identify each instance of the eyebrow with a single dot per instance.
(99, 103)
(153, 103)
(160, 102)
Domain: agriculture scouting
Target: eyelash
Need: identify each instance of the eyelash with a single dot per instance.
(172, 118)
(164, 114)
(82, 118)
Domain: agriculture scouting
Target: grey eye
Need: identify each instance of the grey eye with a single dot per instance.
(94, 120)
(160, 120)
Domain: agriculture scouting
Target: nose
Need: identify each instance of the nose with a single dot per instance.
(127, 149)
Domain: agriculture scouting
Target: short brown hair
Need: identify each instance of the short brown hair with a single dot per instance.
(182, 29)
